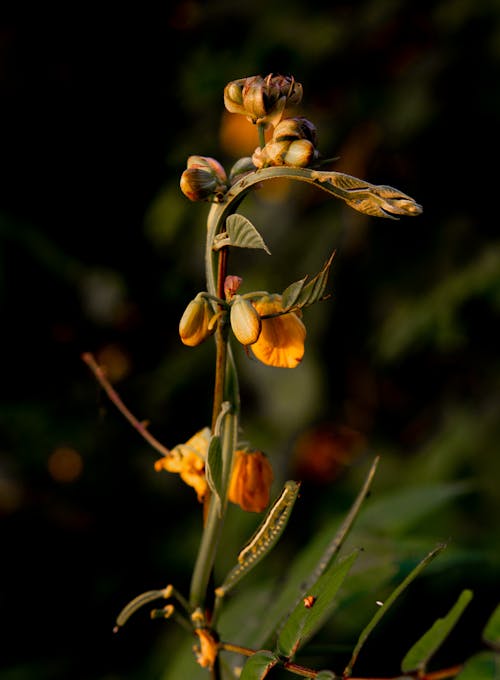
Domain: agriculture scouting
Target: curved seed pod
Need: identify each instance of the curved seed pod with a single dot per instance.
(265, 538)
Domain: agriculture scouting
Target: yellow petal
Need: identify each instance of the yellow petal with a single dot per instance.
(281, 340)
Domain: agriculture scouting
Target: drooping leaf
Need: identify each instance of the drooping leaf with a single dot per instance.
(243, 234)
(419, 655)
(387, 604)
(213, 467)
(491, 633)
(304, 621)
(482, 666)
(258, 665)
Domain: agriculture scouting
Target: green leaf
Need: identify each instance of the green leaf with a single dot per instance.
(419, 655)
(325, 675)
(290, 295)
(242, 233)
(387, 604)
(482, 666)
(304, 621)
(314, 291)
(214, 467)
(397, 512)
(259, 665)
(491, 633)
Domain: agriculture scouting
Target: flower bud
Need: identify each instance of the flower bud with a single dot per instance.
(245, 320)
(251, 480)
(204, 179)
(194, 326)
(295, 128)
(231, 285)
(300, 153)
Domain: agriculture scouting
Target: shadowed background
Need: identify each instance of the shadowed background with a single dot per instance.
(100, 252)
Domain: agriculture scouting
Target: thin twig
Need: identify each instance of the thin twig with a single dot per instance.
(100, 374)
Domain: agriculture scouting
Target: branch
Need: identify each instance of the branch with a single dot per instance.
(100, 374)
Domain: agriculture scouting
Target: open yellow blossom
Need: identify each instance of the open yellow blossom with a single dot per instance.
(189, 461)
(281, 340)
(251, 479)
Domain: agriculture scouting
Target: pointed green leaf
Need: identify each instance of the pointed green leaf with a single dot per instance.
(290, 295)
(421, 652)
(214, 467)
(304, 621)
(491, 633)
(242, 233)
(326, 675)
(387, 604)
(482, 666)
(258, 665)
(315, 289)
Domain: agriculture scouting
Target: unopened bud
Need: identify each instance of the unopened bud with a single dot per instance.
(204, 179)
(245, 320)
(231, 285)
(194, 326)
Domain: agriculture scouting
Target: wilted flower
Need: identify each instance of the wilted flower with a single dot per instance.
(251, 480)
(281, 340)
(293, 143)
(262, 100)
(188, 460)
(206, 652)
(245, 320)
(194, 326)
(204, 179)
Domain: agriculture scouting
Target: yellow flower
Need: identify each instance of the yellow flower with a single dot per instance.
(189, 461)
(251, 479)
(281, 340)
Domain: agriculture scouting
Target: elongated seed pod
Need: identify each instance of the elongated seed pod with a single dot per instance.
(265, 538)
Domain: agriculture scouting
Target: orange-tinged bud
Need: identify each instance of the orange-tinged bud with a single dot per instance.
(245, 320)
(251, 480)
(204, 179)
(194, 326)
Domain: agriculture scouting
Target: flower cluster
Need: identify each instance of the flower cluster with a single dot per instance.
(275, 336)
(262, 100)
(293, 143)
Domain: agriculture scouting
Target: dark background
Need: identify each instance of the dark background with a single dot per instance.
(100, 251)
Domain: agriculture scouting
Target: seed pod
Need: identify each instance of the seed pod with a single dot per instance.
(194, 326)
(245, 320)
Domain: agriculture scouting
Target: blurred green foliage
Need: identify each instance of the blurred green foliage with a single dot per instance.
(99, 251)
